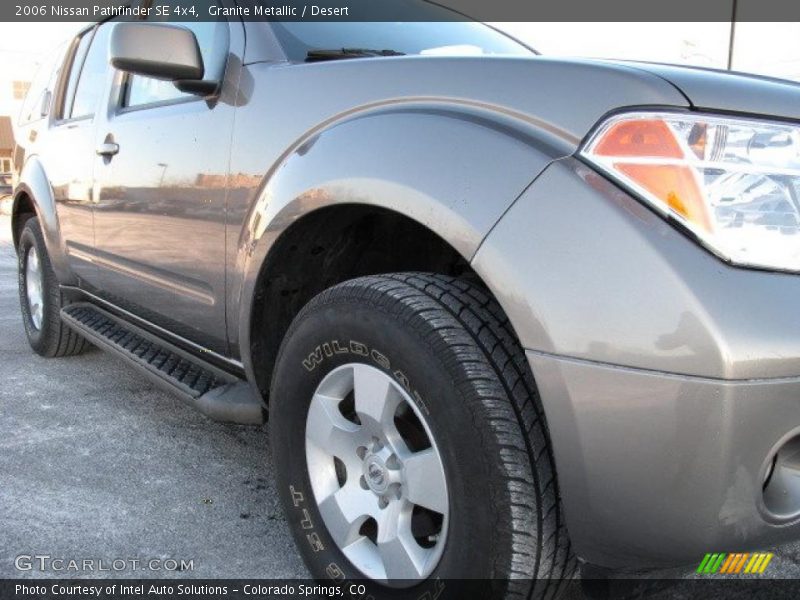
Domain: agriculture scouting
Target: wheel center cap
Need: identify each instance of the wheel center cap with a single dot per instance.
(376, 474)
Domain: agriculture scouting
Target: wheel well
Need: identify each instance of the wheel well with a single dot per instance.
(23, 210)
(327, 247)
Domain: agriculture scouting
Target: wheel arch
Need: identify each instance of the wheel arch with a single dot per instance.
(23, 208)
(34, 197)
(326, 247)
(443, 174)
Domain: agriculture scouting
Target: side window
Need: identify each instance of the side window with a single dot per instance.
(74, 72)
(92, 76)
(212, 38)
(43, 86)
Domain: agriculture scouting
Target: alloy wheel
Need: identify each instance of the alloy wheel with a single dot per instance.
(377, 475)
(33, 287)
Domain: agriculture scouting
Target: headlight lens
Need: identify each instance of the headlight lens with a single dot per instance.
(734, 182)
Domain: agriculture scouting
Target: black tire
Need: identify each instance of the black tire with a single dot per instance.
(454, 346)
(52, 338)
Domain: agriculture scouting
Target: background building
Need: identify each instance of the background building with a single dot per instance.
(6, 145)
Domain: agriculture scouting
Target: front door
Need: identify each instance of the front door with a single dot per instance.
(160, 196)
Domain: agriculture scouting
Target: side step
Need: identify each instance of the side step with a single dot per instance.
(214, 392)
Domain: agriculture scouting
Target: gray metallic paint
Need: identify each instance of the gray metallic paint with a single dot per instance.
(658, 469)
(729, 92)
(666, 375)
(34, 183)
(139, 48)
(606, 279)
(384, 160)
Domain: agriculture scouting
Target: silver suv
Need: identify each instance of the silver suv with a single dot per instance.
(486, 298)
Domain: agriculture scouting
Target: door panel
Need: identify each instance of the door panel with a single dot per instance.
(69, 151)
(160, 208)
(69, 156)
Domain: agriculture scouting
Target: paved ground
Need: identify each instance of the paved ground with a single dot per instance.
(98, 463)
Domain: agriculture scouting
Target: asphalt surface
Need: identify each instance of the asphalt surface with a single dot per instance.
(97, 463)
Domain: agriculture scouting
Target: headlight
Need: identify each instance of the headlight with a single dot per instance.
(734, 182)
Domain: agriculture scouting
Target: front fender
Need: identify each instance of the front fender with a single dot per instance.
(454, 171)
(34, 184)
(668, 378)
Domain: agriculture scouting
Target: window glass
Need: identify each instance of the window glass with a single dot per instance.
(454, 38)
(431, 29)
(75, 71)
(92, 76)
(212, 38)
(43, 82)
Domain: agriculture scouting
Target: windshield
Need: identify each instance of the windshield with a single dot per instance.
(440, 38)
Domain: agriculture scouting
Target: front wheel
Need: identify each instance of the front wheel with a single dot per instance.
(410, 446)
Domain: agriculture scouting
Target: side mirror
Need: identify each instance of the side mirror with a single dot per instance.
(167, 52)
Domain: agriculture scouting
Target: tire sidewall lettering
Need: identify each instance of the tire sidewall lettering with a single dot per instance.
(333, 571)
(327, 350)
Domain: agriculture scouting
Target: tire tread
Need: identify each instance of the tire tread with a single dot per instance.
(481, 341)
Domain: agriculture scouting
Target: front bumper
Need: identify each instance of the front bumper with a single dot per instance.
(669, 379)
(660, 469)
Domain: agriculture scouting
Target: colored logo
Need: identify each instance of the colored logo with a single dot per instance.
(736, 563)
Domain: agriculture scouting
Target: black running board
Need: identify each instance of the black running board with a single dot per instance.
(214, 392)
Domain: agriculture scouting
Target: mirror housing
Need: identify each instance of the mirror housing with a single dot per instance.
(167, 52)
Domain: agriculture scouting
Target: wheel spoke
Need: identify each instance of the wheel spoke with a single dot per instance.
(425, 480)
(402, 557)
(33, 285)
(329, 430)
(375, 398)
(343, 513)
(33, 258)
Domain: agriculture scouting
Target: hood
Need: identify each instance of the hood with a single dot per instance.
(716, 90)
(562, 99)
